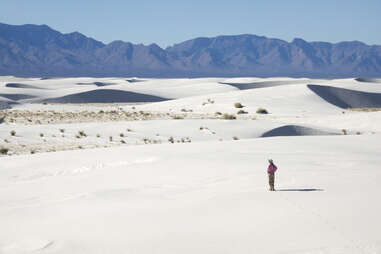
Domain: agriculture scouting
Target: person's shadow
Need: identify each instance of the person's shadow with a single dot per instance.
(300, 190)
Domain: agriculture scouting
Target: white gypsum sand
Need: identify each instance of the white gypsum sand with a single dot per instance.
(177, 177)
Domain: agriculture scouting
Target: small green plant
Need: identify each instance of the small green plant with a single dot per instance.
(82, 133)
(121, 135)
(227, 116)
(241, 112)
(41, 135)
(13, 133)
(4, 150)
(262, 111)
(238, 105)
(177, 117)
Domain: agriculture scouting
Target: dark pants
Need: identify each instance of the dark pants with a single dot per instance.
(271, 181)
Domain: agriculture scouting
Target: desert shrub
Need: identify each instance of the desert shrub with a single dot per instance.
(6, 140)
(41, 135)
(110, 138)
(358, 133)
(123, 142)
(13, 133)
(241, 112)
(32, 151)
(218, 113)
(62, 130)
(171, 140)
(82, 134)
(201, 128)
(262, 111)
(344, 131)
(129, 130)
(177, 117)
(3, 150)
(121, 135)
(227, 116)
(77, 136)
(98, 135)
(235, 138)
(238, 105)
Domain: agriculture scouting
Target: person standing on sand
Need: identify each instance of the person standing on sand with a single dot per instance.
(271, 172)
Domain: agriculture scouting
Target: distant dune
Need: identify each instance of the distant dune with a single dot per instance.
(369, 80)
(262, 84)
(296, 130)
(97, 84)
(17, 97)
(105, 96)
(18, 85)
(346, 98)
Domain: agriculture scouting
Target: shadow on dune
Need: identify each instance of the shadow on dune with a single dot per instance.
(105, 96)
(19, 85)
(98, 84)
(254, 85)
(296, 130)
(369, 80)
(304, 190)
(346, 98)
(17, 97)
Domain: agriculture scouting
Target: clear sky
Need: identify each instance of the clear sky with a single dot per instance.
(166, 22)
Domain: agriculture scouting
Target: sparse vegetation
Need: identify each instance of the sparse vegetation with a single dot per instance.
(218, 113)
(344, 131)
(171, 140)
(62, 130)
(82, 133)
(227, 116)
(41, 135)
(3, 150)
(13, 133)
(122, 141)
(177, 117)
(241, 112)
(121, 135)
(358, 133)
(262, 111)
(235, 138)
(238, 105)
(110, 138)
(6, 140)
(98, 135)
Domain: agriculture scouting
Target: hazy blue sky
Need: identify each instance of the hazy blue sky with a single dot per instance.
(166, 22)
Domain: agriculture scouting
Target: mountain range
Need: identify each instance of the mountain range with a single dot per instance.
(38, 50)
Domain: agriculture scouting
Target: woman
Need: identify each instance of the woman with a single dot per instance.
(271, 172)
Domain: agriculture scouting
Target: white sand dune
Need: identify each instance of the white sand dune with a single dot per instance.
(295, 130)
(346, 98)
(369, 80)
(104, 96)
(18, 85)
(190, 182)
